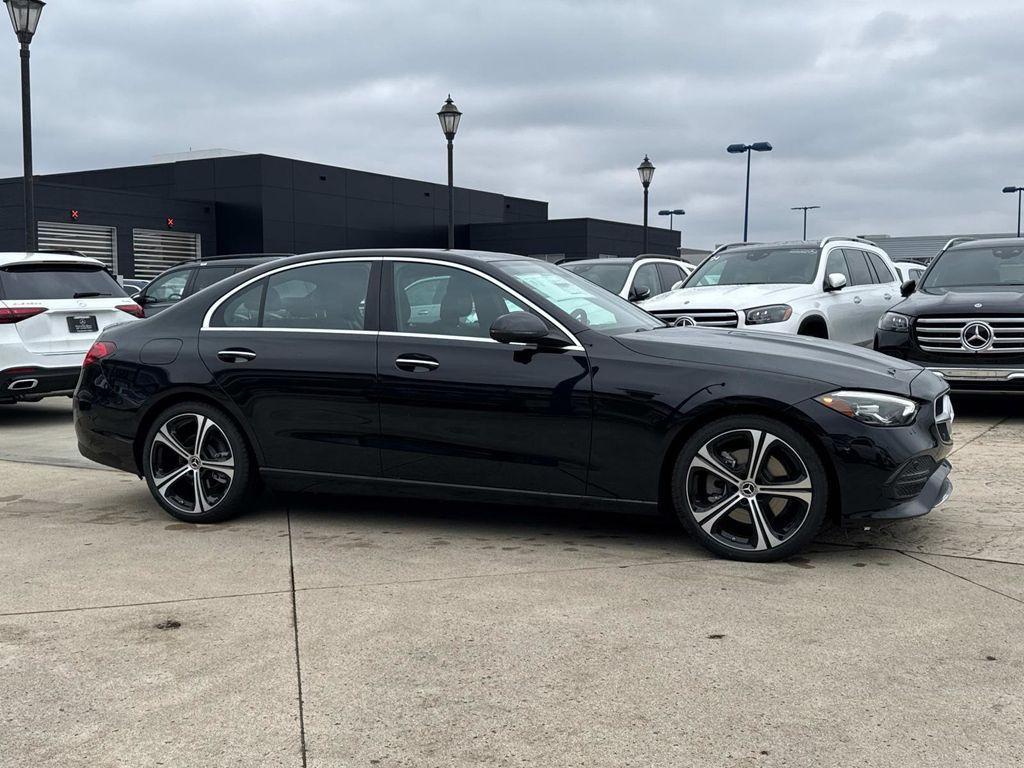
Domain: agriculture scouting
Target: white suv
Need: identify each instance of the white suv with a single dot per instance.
(835, 289)
(52, 308)
(635, 279)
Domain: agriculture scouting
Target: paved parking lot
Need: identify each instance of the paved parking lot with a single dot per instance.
(353, 632)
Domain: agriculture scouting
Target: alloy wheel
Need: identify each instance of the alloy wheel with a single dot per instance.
(749, 489)
(192, 463)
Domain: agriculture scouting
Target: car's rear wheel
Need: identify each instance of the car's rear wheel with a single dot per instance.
(750, 488)
(197, 463)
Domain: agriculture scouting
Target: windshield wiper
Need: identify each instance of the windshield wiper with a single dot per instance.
(88, 294)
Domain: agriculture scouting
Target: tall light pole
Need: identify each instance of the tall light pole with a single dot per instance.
(736, 149)
(671, 214)
(449, 117)
(1010, 191)
(646, 171)
(805, 209)
(25, 17)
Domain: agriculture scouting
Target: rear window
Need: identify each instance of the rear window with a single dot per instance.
(57, 281)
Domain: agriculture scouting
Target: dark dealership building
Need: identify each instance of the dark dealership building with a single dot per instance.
(142, 219)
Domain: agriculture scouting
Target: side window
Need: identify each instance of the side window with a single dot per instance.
(647, 277)
(915, 274)
(170, 287)
(670, 274)
(836, 264)
(319, 296)
(441, 300)
(859, 271)
(882, 270)
(207, 276)
(242, 310)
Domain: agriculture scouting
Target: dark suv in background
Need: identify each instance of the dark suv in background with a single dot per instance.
(964, 319)
(181, 281)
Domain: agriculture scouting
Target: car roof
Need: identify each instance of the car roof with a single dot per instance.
(990, 242)
(624, 260)
(457, 256)
(23, 257)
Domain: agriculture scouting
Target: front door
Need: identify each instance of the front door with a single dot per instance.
(460, 408)
(296, 352)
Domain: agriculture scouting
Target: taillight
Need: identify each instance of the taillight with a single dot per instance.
(133, 309)
(98, 351)
(17, 314)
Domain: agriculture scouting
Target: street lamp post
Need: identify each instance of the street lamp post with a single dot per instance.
(671, 214)
(25, 17)
(736, 149)
(646, 171)
(449, 117)
(1010, 191)
(805, 209)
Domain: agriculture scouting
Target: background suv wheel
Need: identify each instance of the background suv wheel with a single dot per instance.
(750, 488)
(197, 463)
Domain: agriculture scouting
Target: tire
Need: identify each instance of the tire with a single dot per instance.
(170, 459)
(766, 514)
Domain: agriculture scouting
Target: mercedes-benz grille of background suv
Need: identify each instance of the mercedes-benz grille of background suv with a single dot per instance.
(833, 289)
(52, 308)
(964, 319)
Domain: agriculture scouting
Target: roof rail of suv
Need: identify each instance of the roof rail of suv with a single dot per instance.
(854, 238)
(952, 242)
(727, 246)
(246, 256)
(64, 252)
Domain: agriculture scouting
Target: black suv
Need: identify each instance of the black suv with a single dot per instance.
(964, 319)
(182, 280)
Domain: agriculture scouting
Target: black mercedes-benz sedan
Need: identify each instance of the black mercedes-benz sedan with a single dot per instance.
(468, 375)
(964, 319)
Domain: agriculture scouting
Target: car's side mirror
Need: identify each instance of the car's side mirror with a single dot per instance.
(639, 293)
(138, 298)
(519, 328)
(677, 285)
(908, 288)
(835, 282)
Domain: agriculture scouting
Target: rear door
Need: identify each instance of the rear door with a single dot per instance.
(75, 300)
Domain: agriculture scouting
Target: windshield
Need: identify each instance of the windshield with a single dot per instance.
(57, 281)
(588, 303)
(992, 267)
(609, 276)
(757, 267)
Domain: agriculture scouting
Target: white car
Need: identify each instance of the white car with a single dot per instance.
(635, 279)
(909, 270)
(52, 308)
(835, 289)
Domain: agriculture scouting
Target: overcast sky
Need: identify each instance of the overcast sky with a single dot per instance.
(896, 117)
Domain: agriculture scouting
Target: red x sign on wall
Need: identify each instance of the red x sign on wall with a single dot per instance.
(74, 215)
(170, 222)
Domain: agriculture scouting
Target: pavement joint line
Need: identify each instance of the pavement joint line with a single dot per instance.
(961, 577)
(979, 436)
(144, 604)
(295, 627)
(972, 558)
(54, 463)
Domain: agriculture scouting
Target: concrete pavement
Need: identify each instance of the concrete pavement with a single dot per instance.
(439, 635)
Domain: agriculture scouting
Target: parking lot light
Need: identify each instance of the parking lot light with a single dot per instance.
(1018, 190)
(671, 215)
(646, 171)
(805, 209)
(25, 18)
(738, 149)
(449, 117)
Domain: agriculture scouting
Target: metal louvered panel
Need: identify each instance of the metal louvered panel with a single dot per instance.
(155, 251)
(98, 242)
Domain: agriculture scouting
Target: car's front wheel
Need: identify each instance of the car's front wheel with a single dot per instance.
(750, 488)
(197, 463)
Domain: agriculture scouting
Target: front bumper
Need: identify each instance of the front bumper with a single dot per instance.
(935, 492)
(963, 372)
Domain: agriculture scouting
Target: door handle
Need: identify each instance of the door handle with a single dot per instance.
(888, 297)
(236, 355)
(856, 299)
(413, 363)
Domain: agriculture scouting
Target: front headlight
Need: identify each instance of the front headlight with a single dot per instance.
(775, 313)
(894, 321)
(872, 407)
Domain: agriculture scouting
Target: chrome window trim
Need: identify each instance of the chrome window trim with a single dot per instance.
(576, 346)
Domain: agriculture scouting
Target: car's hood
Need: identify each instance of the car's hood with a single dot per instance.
(728, 296)
(832, 363)
(970, 303)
